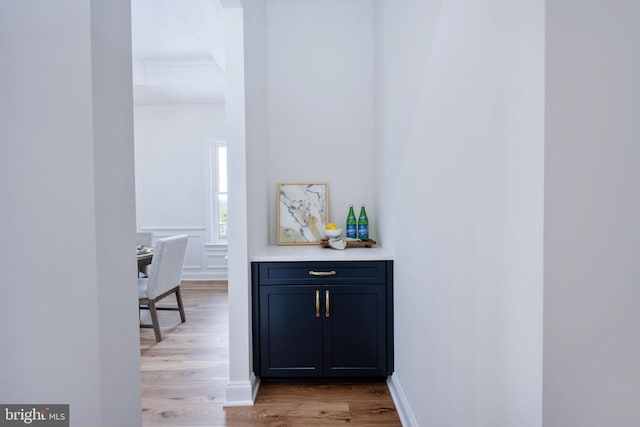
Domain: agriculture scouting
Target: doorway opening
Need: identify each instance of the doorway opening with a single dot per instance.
(182, 136)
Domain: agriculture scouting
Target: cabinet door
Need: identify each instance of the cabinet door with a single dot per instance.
(290, 331)
(355, 335)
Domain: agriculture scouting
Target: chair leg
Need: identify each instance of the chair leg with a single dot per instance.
(154, 320)
(183, 316)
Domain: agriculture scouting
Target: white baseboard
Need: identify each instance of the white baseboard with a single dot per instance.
(217, 274)
(400, 401)
(242, 393)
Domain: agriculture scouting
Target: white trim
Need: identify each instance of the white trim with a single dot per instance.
(154, 72)
(191, 267)
(164, 228)
(205, 275)
(242, 393)
(213, 267)
(407, 418)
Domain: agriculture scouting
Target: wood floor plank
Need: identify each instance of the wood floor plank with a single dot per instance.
(290, 414)
(184, 378)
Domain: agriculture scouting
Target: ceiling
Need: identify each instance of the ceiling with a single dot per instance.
(178, 51)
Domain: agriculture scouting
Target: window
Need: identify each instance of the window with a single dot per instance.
(219, 192)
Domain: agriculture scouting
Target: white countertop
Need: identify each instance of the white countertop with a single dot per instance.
(318, 253)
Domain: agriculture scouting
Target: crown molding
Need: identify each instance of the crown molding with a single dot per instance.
(178, 81)
(175, 72)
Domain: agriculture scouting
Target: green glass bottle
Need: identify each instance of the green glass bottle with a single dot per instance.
(363, 225)
(351, 223)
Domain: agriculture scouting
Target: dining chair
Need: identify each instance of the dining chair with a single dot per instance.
(164, 280)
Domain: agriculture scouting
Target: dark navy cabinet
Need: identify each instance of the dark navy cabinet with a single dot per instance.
(322, 319)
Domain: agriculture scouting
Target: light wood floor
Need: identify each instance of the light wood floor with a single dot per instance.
(184, 376)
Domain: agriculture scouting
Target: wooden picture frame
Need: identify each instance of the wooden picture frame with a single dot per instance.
(303, 210)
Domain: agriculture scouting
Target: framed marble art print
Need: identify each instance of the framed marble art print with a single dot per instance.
(303, 209)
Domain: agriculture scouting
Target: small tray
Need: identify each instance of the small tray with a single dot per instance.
(352, 243)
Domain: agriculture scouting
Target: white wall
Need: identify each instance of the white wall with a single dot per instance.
(68, 319)
(592, 206)
(460, 149)
(242, 385)
(258, 195)
(259, 198)
(172, 172)
(308, 77)
(460, 125)
(320, 105)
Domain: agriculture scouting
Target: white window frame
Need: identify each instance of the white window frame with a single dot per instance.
(213, 190)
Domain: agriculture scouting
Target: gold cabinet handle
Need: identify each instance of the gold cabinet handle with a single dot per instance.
(322, 273)
(317, 303)
(326, 304)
